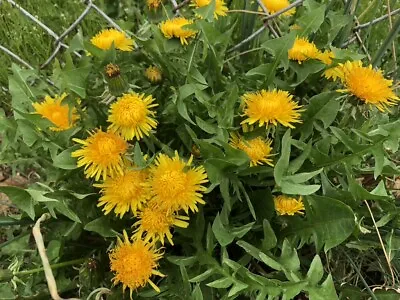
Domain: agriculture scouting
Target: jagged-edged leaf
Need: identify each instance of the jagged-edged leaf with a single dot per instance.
(322, 226)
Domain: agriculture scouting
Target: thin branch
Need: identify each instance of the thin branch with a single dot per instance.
(108, 19)
(248, 12)
(381, 242)
(76, 22)
(180, 5)
(393, 44)
(242, 53)
(388, 15)
(249, 38)
(51, 282)
(16, 57)
(282, 11)
(175, 5)
(268, 24)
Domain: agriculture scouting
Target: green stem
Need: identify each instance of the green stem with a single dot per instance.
(53, 267)
(391, 36)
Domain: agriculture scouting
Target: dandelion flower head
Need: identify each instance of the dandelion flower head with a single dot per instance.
(271, 107)
(220, 6)
(174, 29)
(285, 205)
(124, 192)
(302, 50)
(274, 6)
(107, 37)
(155, 224)
(153, 74)
(367, 84)
(132, 116)
(175, 185)
(101, 154)
(134, 263)
(257, 149)
(52, 109)
(153, 4)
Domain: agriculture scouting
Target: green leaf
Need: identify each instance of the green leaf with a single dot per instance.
(291, 188)
(207, 12)
(138, 157)
(311, 21)
(71, 77)
(316, 271)
(101, 226)
(21, 198)
(283, 161)
(206, 126)
(279, 47)
(197, 293)
(270, 262)
(269, 240)
(222, 283)
(323, 107)
(329, 222)
(302, 177)
(222, 234)
(203, 276)
(64, 160)
(304, 70)
(237, 288)
(325, 292)
(289, 258)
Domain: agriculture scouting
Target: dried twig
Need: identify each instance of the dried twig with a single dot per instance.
(180, 5)
(51, 282)
(372, 22)
(393, 43)
(381, 242)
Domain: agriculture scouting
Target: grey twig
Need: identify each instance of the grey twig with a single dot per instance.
(16, 57)
(180, 5)
(273, 31)
(30, 16)
(108, 19)
(175, 5)
(282, 11)
(364, 25)
(52, 56)
(246, 40)
(76, 22)
(37, 21)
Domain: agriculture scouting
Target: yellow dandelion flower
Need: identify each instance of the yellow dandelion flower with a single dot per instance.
(274, 6)
(257, 149)
(326, 57)
(220, 6)
(153, 74)
(285, 205)
(107, 37)
(295, 27)
(124, 192)
(176, 185)
(367, 84)
(134, 264)
(62, 116)
(302, 50)
(174, 29)
(131, 116)
(271, 107)
(101, 154)
(153, 4)
(155, 224)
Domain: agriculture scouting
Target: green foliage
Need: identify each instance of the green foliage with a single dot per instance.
(340, 162)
